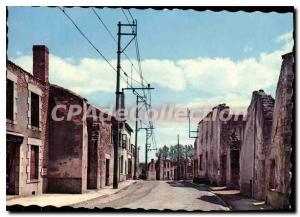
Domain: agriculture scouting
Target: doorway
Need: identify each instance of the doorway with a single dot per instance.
(12, 165)
(235, 168)
(107, 172)
(223, 170)
(129, 168)
(92, 167)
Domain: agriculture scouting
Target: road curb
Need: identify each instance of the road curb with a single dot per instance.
(102, 196)
(226, 203)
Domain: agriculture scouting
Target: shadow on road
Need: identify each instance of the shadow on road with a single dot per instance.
(184, 184)
(211, 199)
(179, 184)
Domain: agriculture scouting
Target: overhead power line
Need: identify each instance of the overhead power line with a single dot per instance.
(114, 38)
(99, 18)
(130, 14)
(89, 41)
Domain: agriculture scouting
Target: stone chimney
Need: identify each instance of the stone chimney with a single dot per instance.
(41, 62)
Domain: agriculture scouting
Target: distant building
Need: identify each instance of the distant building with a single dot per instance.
(152, 170)
(126, 158)
(165, 169)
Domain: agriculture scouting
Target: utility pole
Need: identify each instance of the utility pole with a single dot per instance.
(136, 136)
(138, 100)
(117, 142)
(191, 131)
(186, 162)
(148, 135)
(117, 128)
(178, 169)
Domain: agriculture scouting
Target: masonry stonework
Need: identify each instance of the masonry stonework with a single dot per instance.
(67, 166)
(257, 140)
(281, 138)
(21, 135)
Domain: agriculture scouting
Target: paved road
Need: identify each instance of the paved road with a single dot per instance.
(160, 195)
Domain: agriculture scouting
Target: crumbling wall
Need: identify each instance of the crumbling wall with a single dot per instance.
(151, 173)
(106, 152)
(254, 147)
(281, 137)
(67, 145)
(24, 82)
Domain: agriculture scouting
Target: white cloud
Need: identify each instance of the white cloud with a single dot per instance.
(248, 48)
(88, 76)
(285, 37)
(165, 73)
(222, 78)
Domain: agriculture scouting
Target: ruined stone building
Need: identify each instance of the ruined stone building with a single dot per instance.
(152, 170)
(217, 147)
(51, 144)
(131, 159)
(166, 169)
(257, 140)
(161, 169)
(68, 142)
(188, 169)
(100, 148)
(26, 124)
(279, 153)
(126, 160)
(267, 146)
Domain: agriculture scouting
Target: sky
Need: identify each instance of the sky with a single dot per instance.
(191, 58)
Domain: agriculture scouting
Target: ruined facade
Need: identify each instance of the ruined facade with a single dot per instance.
(152, 170)
(26, 125)
(161, 169)
(217, 147)
(68, 142)
(166, 169)
(257, 140)
(126, 158)
(51, 144)
(279, 153)
(100, 149)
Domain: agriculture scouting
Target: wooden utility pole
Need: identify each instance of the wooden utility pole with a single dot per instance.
(136, 136)
(117, 142)
(186, 160)
(178, 169)
(139, 99)
(117, 127)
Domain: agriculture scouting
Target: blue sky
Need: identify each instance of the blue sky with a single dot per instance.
(191, 58)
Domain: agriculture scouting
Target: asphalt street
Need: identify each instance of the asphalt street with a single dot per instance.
(160, 195)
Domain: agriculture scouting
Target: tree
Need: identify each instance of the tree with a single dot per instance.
(171, 152)
(164, 151)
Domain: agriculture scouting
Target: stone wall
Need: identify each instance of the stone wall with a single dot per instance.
(100, 149)
(209, 148)
(67, 166)
(24, 83)
(106, 153)
(216, 150)
(281, 138)
(254, 147)
(151, 173)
